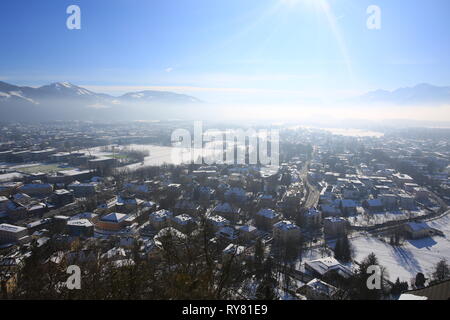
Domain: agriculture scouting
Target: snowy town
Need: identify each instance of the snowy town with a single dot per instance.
(109, 199)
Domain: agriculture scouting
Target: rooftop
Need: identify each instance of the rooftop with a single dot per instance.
(114, 217)
(11, 228)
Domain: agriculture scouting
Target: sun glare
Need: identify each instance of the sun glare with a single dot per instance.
(292, 3)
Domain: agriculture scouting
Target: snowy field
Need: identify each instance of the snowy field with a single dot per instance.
(370, 219)
(412, 257)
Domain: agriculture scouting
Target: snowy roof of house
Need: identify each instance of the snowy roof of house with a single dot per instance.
(114, 217)
(80, 223)
(161, 215)
(324, 265)
(218, 219)
(183, 219)
(234, 249)
(417, 226)
(268, 213)
(334, 219)
(323, 287)
(61, 191)
(114, 252)
(247, 228)
(38, 223)
(84, 215)
(129, 201)
(286, 225)
(402, 176)
(11, 228)
(123, 263)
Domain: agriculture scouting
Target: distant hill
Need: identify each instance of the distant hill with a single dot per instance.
(421, 94)
(66, 101)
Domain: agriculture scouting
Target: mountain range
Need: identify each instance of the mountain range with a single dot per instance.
(421, 94)
(66, 101)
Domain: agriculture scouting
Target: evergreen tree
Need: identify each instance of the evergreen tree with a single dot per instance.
(346, 249)
(266, 289)
(259, 258)
(342, 250)
(398, 287)
(338, 249)
(420, 280)
(442, 271)
(360, 289)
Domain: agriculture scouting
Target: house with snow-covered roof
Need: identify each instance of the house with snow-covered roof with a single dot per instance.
(324, 267)
(227, 211)
(266, 218)
(184, 223)
(247, 233)
(112, 222)
(217, 222)
(334, 226)
(418, 230)
(317, 290)
(160, 219)
(227, 233)
(285, 231)
(373, 205)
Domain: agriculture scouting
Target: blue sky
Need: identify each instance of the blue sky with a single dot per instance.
(236, 50)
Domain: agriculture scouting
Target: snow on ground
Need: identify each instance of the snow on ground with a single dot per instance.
(370, 219)
(10, 176)
(312, 254)
(158, 155)
(412, 257)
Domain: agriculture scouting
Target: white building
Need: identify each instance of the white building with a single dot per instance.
(317, 290)
(12, 234)
(323, 267)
